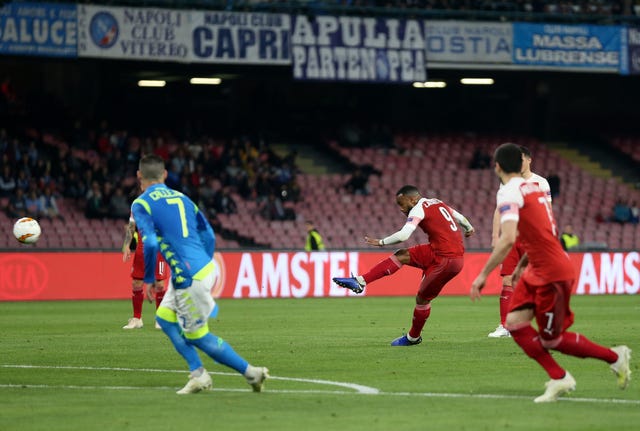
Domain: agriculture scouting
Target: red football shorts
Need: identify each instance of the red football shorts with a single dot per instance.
(137, 268)
(436, 270)
(551, 305)
(511, 261)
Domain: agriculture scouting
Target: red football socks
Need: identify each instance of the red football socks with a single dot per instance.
(578, 345)
(420, 316)
(527, 338)
(505, 298)
(382, 269)
(137, 299)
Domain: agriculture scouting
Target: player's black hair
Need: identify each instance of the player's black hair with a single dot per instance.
(509, 157)
(525, 151)
(408, 191)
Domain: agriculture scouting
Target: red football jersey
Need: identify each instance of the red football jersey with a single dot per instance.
(436, 220)
(527, 204)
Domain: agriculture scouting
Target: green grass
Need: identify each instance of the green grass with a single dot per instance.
(89, 374)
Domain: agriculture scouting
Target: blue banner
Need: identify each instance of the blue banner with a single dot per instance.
(633, 41)
(568, 46)
(360, 49)
(42, 29)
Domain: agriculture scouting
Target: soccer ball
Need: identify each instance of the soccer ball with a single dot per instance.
(27, 230)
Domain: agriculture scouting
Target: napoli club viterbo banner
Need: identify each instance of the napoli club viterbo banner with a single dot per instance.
(350, 48)
(134, 33)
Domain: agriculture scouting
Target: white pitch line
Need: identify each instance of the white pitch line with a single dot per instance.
(359, 389)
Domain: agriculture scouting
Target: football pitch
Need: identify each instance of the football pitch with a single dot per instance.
(69, 366)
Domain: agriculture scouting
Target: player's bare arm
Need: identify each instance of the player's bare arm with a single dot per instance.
(126, 243)
(495, 231)
(467, 228)
(500, 251)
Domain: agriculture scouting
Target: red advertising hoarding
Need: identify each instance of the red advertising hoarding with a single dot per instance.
(55, 276)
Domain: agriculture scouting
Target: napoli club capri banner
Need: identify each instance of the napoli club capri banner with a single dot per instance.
(597, 48)
(40, 29)
(247, 38)
(348, 48)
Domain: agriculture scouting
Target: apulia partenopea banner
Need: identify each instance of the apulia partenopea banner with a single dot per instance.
(348, 48)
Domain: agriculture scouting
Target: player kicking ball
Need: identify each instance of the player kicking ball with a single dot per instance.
(440, 260)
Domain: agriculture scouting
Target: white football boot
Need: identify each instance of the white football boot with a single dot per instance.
(500, 332)
(197, 384)
(256, 376)
(557, 387)
(134, 323)
(621, 366)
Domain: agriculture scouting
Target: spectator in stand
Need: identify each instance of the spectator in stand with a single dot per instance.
(223, 202)
(480, 160)
(568, 239)
(358, 184)
(621, 212)
(32, 202)
(635, 213)
(7, 182)
(119, 207)
(17, 206)
(273, 208)
(49, 205)
(95, 208)
(23, 180)
(314, 240)
(554, 184)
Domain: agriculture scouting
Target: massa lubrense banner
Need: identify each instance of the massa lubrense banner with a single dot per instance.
(60, 276)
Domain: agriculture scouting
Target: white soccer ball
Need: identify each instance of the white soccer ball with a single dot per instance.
(27, 230)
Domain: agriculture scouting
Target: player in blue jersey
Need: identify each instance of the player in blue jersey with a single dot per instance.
(171, 223)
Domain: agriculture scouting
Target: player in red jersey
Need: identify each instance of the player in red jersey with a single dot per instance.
(440, 260)
(544, 289)
(509, 264)
(157, 289)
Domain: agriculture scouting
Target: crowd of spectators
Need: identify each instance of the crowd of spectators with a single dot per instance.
(573, 7)
(95, 171)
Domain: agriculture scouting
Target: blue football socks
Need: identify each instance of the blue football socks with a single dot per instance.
(220, 351)
(186, 350)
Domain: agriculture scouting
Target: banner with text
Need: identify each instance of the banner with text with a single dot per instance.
(633, 41)
(134, 33)
(247, 38)
(569, 46)
(469, 42)
(42, 29)
(348, 48)
(45, 276)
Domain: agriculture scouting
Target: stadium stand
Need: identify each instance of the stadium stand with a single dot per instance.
(437, 163)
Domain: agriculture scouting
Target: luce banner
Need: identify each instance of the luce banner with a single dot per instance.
(42, 29)
(60, 276)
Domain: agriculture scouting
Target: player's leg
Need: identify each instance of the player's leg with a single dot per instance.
(194, 305)
(558, 317)
(158, 294)
(436, 273)
(383, 268)
(523, 308)
(507, 268)
(137, 299)
(166, 317)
